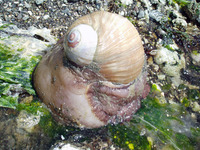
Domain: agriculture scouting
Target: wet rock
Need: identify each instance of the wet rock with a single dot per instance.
(147, 4)
(15, 137)
(192, 11)
(66, 11)
(163, 2)
(157, 16)
(196, 107)
(191, 76)
(161, 76)
(38, 2)
(26, 121)
(141, 14)
(27, 5)
(196, 58)
(31, 41)
(160, 32)
(64, 146)
(171, 63)
(180, 23)
(46, 17)
(127, 2)
(25, 17)
(73, 1)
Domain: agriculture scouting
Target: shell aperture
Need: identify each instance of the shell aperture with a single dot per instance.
(80, 44)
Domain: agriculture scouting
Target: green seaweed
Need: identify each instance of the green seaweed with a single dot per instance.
(166, 87)
(194, 67)
(8, 101)
(33, 107)
(182, 2)
(185, 102)
(119, 4)
(155, 124)
(159, 125)
(15, 78)
(128, 137)
(15, 75)
(49, 126)
(169, 47)
(193, 94)
(5, 26)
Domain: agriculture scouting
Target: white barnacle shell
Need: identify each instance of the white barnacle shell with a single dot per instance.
(80, 44)
(109, 41)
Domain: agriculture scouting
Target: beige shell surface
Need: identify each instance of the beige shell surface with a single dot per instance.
(119, 53)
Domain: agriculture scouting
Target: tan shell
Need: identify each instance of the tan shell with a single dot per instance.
(119, 54)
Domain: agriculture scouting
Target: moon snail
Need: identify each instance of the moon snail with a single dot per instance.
(95, 74)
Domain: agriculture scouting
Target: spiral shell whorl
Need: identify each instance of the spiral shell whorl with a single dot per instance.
(119, 52)
(73, 38)
(80, 44)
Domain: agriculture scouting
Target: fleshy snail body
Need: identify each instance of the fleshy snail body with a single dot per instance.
(96, 74)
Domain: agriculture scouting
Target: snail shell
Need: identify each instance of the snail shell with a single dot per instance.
(108, 41)
(96, 74)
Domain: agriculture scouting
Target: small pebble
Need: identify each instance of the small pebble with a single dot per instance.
(38, 2)
(46, 17)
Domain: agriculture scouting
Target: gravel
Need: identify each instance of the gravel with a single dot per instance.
(55, 15)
